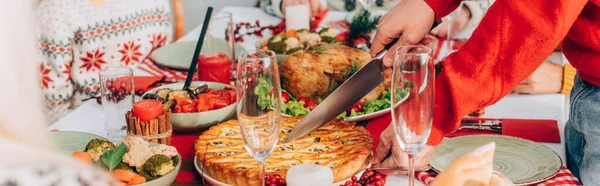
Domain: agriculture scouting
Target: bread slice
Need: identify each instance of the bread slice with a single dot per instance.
(472, 169)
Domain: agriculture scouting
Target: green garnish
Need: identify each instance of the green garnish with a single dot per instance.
(319, 49)
(113, 157)
(263, 91)
(353, 69)
(295, 108)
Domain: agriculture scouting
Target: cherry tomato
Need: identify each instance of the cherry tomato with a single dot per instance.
(285, 97)
(309, 104)
(357, 107)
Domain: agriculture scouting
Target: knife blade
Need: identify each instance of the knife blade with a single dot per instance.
(356, 87)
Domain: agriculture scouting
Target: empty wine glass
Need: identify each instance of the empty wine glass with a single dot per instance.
(413, 69)
(259, 104)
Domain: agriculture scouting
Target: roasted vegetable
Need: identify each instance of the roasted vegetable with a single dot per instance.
(178, 94)
(169, 104)
(291, 51)
(194, 92)
(163, 93)
(97, 147)
(328, 39)
(328, 32)
(123, 166)
(281, 44)
(158, 165)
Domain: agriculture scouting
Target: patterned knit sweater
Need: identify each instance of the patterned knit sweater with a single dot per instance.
(78, 38)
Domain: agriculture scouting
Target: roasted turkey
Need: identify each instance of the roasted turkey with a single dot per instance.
(315, 73)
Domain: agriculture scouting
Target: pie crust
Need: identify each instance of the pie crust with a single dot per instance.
(338, 144)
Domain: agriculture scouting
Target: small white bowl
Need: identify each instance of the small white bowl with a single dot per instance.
(199, 120)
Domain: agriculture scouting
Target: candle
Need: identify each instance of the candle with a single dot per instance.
(214, 67)
(147, 110)
(309, 175)
(297, 17)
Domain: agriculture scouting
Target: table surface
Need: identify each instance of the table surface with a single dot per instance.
(89, 116)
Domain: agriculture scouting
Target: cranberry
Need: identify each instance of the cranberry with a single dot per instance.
(140, 92)
(348, 183)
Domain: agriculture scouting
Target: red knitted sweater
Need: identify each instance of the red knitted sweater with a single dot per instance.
(512, 40)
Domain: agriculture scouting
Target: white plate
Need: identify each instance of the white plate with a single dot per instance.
(524, 162)
(369, 115)
(178, 55)
(214, 182)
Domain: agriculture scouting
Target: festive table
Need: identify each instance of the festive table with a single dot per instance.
(89, 118)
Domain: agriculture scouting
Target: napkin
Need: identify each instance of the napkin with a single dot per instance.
(537, 130)
(144, 82)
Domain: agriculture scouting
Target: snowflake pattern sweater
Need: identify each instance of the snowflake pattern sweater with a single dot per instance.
(78, 38)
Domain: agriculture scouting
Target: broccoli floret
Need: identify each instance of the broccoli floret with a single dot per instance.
(283, 44)
(290, 51)
(147, 175)
(277, 44)
(124, 166)
(328, 39)
(158, 165)
(328, 32)
(97, 147)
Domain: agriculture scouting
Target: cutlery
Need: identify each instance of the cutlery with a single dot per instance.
(356, 87)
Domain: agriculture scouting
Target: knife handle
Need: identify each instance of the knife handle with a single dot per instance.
(389, 45)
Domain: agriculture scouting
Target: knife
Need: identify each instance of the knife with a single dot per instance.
(356, 87)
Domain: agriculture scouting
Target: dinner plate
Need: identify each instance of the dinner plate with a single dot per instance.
(214, 182)
(522, 161)
(178, 55)
(71, 141)
(369, 115)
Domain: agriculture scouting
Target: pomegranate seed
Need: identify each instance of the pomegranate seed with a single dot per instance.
(273, 180)
(348, 183)
(99, 100)
(354, 179)
(369, 184)
(272, 184)
(276, 176)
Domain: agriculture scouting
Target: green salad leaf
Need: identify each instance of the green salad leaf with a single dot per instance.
(295, 108)
(263, 91)
(113, 157)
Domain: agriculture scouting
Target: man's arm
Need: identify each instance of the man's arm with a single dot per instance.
(513, 39)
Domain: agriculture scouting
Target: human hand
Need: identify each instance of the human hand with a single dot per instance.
(458, 24)
(389, 154)
(545, 79)
(409, 20)
(315, 6)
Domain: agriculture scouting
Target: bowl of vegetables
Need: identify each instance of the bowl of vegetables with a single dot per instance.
(286, 43)
(132, 161)
(199, 107)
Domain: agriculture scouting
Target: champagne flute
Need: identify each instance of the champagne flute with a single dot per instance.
(259, 105)
(413, 70)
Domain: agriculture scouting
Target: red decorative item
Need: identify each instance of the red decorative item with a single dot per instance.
(214, 67)
(147, 110)
(247, 28)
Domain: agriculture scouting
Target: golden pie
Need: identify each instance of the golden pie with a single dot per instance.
(338, 144)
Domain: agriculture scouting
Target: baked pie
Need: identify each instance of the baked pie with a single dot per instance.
(338, 144)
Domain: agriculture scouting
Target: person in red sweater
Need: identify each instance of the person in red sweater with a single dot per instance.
(512, 40)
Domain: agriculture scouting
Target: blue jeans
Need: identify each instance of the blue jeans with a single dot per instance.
(582, 133)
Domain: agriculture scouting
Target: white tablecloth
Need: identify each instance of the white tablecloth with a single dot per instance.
(89, 116)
